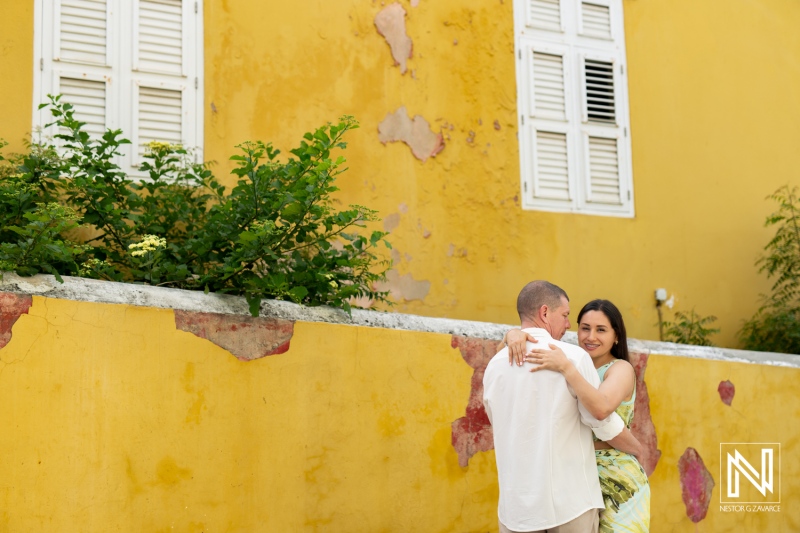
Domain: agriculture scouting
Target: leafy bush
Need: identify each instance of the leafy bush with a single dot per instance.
(776, 325)
(276, 234)
(690, 328)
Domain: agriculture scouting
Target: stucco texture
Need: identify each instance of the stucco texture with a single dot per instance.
(116, 419)
(714, 128)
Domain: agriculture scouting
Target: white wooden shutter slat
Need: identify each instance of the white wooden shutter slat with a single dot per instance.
(82, 31)
(88, 97)
(160, 36)
(159, 116)
(548, 86)
(544, 14)
(596, 20)
(551, 168)
(604, 179)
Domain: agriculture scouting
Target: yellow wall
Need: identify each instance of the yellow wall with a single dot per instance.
(114, 420)
(715, 126)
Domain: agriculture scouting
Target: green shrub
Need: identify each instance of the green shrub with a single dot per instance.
(690, 328)
(776, 325)
(275, 234)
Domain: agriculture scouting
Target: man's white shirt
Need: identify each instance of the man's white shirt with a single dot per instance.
(542, 439)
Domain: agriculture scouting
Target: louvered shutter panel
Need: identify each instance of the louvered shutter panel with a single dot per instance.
(89, 100)
(604, 176)
(544, 14)
(82, 31)
(548, 86)
(159, 43)
(596, 20)
(159, 117)
(551, 166)
(599, 91)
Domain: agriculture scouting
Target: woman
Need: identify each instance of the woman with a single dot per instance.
(601, 332)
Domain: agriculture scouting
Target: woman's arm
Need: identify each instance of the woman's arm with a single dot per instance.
(615, 389)
(516, 340)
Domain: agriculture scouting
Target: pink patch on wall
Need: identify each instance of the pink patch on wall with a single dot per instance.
(473, 433)
(642, 426)
(416, 133)
(247, 338)
(726, 391)
(696, 484)
(391, 23)
(12, 306)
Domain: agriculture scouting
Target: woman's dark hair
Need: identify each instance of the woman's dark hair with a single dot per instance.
(619, 350)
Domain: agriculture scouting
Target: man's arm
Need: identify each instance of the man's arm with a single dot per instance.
(626, 442)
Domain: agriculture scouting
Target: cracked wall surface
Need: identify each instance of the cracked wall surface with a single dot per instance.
(247, 338)
(416, 133)
(391, 24)
(696, 484)
(12, 306)
(642, 425)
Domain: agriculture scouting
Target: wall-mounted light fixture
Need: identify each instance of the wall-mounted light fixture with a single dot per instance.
(661, 298)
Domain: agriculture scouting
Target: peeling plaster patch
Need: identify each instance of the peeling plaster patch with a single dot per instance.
(473, 433)
(417, 134)
(391, 23)
(696, 484)
(404, 287)
(642, 426)
(497, 125)
(403, 208)
(726, 391)
(247, 338)
(391, 222)
(12, 306)
(395, 255)
(414, 3)
(426, 234)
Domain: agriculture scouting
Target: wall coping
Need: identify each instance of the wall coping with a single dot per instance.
(91, 290)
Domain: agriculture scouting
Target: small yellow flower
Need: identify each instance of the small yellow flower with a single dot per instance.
(160, 146)
(149, 243)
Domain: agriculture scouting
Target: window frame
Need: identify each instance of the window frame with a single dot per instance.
(577, 48)
(122, 74)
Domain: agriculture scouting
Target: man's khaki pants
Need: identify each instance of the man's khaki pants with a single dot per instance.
(588, 522)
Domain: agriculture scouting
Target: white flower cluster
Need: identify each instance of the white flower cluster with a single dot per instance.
(149, 243)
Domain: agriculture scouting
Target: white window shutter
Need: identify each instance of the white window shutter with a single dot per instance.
(551, 166)
(159, 115)
(544, 14)
(574, 135)
(596, 20)
(81, 27)
(599, 95)
(159, 40)
(134, 65)
(548, 94)
(604, 171)
(88, 98)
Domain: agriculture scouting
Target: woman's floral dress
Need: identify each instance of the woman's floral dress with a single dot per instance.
(626, 491)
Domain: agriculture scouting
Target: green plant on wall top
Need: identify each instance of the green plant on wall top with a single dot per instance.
(275, 234)
(776, 325)
(690, 328)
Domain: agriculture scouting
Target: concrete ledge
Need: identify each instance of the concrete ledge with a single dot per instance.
(90, 290)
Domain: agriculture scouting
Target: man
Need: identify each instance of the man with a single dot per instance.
(542, 437)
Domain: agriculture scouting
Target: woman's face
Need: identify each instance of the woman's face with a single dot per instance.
(595, 334)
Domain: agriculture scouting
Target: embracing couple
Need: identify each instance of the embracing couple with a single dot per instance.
(544, 399)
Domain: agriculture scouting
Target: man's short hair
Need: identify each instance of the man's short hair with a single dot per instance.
(536, 294)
